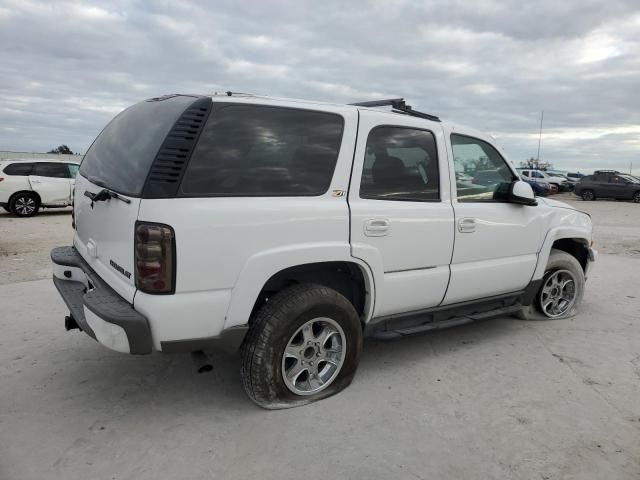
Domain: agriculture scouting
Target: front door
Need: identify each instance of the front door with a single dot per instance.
(51, 181)
(401, 214)
(496, 243)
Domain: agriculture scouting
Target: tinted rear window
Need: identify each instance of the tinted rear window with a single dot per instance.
(18, 169)
(247, 150)
(122, 154)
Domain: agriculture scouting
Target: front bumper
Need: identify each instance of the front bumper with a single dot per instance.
(97, 309)
(592, 256)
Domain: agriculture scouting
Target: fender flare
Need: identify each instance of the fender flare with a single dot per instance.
(261, 267)
(563, 231)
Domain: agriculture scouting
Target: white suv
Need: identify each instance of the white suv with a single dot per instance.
(538, 176)
(289, 230)
(28, 185)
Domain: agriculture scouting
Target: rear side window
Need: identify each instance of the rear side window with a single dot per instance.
(53, 170)
(18, 169)
(401, 164)
(122, 154)
(247, 150)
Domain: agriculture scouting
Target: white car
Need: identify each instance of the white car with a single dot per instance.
(28, 185)
(539, 176)
(289, 230)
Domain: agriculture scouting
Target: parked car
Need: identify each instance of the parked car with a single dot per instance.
(561, 183)
(289, 230)
(27, 186)
(609, 184)
(541, 189)
(575, 176)
(564, 175)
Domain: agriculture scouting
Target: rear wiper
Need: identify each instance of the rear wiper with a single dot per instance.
(103, 195)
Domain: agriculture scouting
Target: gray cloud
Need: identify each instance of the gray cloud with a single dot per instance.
(68, 67)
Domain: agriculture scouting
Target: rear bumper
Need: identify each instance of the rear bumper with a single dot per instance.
(97, 309)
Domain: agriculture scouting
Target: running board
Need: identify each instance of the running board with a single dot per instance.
(428, 324)
(407, 323)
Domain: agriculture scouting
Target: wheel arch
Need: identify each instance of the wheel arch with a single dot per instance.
(573, 239)
(32, 192)
(270, 272)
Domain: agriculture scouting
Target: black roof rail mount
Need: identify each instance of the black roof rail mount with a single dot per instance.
(398, 105)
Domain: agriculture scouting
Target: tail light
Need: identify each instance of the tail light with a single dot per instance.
(155, 257)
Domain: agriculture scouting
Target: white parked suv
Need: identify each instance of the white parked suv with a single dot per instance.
(538, 176)
(288, 230)
(28, 185)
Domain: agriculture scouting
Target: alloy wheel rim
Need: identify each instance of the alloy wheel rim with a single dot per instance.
(25, 205)
(558, 293)
(314, 356)
(588, 195)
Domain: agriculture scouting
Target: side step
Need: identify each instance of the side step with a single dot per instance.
(428, 323)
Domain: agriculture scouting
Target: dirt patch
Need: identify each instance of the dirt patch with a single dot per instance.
(25, 244)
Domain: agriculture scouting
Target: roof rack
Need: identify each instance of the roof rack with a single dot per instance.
(398, 105)
(606, 171)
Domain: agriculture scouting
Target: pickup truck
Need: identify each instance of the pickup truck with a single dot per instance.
(289, 230)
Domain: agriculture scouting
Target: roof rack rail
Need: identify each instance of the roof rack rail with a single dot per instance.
(398, 105)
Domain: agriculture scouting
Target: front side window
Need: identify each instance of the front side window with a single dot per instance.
(489, 173)
(400, 164)
(247, 150)
(53, 170)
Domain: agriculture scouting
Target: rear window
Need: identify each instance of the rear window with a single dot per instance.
(247, 150)
(122, 154)
(18, 169)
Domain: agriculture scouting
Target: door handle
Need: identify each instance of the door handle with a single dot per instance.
(467, 225)
(376, 227)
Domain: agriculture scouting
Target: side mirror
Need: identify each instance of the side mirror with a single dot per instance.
(521, 192)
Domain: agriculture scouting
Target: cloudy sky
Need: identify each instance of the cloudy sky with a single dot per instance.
(66, 68)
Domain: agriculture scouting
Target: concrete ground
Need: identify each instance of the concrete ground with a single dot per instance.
(498, 399)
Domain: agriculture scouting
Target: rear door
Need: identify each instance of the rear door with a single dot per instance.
(401, 214)
(496, 242)
(50, 180)
(119, 160)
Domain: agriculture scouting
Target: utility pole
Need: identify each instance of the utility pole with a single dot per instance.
(540, 138)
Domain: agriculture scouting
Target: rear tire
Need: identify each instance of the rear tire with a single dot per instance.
(588, 195)
(24, 204)
(564, 268)
(636, 197)
(294, 320)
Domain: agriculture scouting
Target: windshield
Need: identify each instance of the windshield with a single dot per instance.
(121, 156)
(630, 179)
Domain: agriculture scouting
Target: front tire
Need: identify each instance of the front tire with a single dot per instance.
(304, 344)
(24, 204)
(561, 290)
(636, 197)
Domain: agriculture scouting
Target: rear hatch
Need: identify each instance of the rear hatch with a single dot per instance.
(119, 160)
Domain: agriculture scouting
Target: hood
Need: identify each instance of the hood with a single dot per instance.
(557, 204)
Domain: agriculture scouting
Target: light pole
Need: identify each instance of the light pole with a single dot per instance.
(540, 138)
